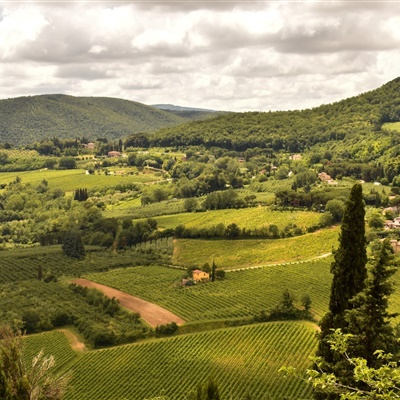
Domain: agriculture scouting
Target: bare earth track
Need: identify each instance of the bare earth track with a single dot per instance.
(153, 314)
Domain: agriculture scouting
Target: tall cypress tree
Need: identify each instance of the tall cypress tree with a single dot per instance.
(349, 274)
(369, 320)
(349, 266)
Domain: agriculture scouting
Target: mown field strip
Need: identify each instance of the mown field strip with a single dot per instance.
(244, 360)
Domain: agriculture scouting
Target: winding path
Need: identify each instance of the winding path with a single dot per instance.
(152, 313)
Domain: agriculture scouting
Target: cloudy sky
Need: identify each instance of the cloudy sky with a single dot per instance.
(224, 55)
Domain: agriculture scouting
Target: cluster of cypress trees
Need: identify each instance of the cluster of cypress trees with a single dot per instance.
(81, 194)
(359, 300)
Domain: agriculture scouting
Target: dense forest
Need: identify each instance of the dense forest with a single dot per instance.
(349, 129)
(24, 120)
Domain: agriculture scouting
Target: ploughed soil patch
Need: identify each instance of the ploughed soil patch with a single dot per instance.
(152, 313)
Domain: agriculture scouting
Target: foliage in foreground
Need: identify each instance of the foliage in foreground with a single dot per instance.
(372, 383)
(20, 382)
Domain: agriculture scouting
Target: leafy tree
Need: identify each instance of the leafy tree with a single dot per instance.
(73, 245)
(336, 208)
(67, 163)
(376, 221)
(190, 204)
(374, 383)
(17, 381)
(233, 230)
(3, 158)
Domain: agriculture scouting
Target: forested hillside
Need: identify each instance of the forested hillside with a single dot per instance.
(350, 129)
(24, 120)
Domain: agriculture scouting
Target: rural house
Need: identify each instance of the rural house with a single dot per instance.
(114, 154)
(199, 275)
(395, 224)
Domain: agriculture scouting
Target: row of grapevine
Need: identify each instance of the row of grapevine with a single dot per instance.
(248, 218)
(240, 294)
(24, 264)
(240, 253)
(243, 360)
(52, 343)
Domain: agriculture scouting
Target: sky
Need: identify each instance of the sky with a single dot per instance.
(223, 55)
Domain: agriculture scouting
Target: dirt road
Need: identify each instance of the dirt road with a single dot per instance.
(153, 314)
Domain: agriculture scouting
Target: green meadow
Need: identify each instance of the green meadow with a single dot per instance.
(69, 180)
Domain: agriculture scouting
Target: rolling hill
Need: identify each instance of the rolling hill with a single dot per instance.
(24, 120)
(351, 129)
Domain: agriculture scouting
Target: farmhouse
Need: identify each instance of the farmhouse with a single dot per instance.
(395, 224)
(90, 145)
(113, 154)
(199, 275)
(395, 245)
(324, 176)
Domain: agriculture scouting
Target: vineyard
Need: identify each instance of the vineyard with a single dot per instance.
(52, 343)
(241, 294)
(134, 209)
(249, 218)
(240, 253)
(245, 361)
(24, 264)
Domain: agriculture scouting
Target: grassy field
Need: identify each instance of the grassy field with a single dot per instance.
(243, 360)
(241, 294)
(249, 218)
(242, 253)
(69, 180)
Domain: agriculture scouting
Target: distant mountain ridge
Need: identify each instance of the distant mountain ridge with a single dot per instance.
(191, 113)
(172, 107)
(24, 120)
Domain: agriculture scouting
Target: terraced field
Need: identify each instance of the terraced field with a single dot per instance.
(242, 294)
(243, 360)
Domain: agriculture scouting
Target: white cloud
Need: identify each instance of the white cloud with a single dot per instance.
(224, 55)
